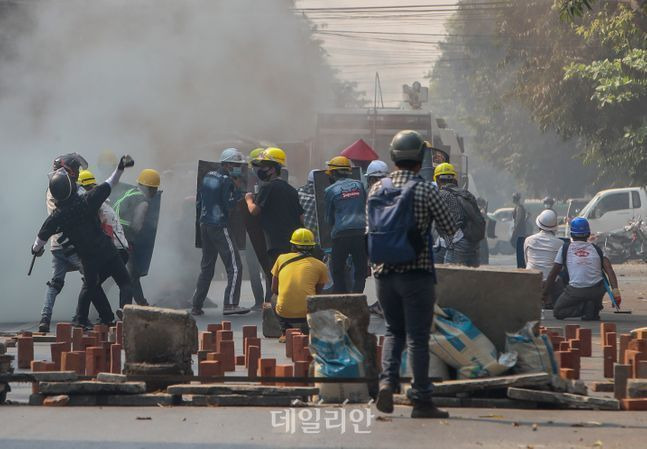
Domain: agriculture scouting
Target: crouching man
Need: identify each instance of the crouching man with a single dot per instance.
(586, 267)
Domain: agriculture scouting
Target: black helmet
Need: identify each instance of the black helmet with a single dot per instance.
(72, 162)
(61, 185)
(407, 145)
(516, 196)
(549, 200)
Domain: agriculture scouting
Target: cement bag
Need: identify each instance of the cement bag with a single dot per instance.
(456, 340)
(438, 369)
(335, 355)
(534, 352)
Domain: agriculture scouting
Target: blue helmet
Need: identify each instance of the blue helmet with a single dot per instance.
(580, 227)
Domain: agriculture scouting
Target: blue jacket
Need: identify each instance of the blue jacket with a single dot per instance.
(216, 198)
(345, 203)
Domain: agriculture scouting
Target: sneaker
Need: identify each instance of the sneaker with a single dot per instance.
(428, 410)
(282, 339)
(43, 326)
(235, 310)
(82, 322)
(197, 312)
(384, 401)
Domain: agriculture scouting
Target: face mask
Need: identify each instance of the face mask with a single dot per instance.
(263, 174)
(236, 172)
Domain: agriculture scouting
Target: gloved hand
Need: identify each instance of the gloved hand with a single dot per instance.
(37, 252)
(125, 161)
(617, 295)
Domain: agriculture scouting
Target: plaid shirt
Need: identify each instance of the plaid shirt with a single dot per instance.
(427, 208)
(307, 200)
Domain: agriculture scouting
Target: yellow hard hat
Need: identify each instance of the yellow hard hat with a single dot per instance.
(149, 178)
(107, 158)
(271, 154)
(338, 163)
(303, 237)
(444, 169)
(86, 178)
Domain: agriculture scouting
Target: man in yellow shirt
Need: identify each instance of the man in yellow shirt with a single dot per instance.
(295, 276)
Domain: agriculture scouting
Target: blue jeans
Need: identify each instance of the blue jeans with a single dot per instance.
(463, 253)
(61, 265)
(407, 300)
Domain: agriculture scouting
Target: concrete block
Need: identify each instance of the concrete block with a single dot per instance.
(111, 378)
(584, 336)
(355, 308)
(620, 375)
(73, 361)
(515, 294)
(157, 336)
(92, 387)
(217, 389)
(64, 332)
(238, 400)
(115, 358)
(641, 370)
(77, 339)
(636, 388)
(25, 349)
(251, 360)
(565, 399)
(56, 349)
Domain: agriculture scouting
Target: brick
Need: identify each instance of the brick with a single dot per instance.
(634, 404)
(636, 388)
(205, 341)
(202, 355)
(602, 387)
(210, 368)
(267, 368)
(49, 366)
(226, 325)
(106, 345)
(94, 360)
(252, 358)
(637, 345)
(564, 359)
(38, 366)
(641, 334)
(120, 333)
(73, 361)
(621, 373)
(641, 370)
(25, 349)
(623, 344)
(101, 332)
(214, 328)
(284, 371)
(56, 401)
(289, 333)
(64, 332)
(567, 373)
(228, 352)
(611, 340)
(584, 336)
(214, 356)
(251, 342)
(634, 359)
(77, 339)
(299, 343)
(604, 328)
(249, 331)
(301, 370)
(570, 331)
(56, 349)
(88, 341)
(608, 356)
(115, 358)
(564, 346)
(574, 343)
(240, 360)
(222, 336)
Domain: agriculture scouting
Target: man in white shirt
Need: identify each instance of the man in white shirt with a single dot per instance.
(586, 266)
(540, 250)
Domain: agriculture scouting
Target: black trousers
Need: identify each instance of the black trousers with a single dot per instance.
(342, 247)
(135, 279)
(217, 241)
(95, 272)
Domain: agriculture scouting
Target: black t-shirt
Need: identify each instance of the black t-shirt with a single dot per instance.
(280, 213)
(78, 219)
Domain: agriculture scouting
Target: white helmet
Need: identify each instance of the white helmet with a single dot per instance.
(547, 220)
(311, 176)
(232, 155)
(377, 168)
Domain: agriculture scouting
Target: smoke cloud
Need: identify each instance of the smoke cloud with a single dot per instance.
(166, 81)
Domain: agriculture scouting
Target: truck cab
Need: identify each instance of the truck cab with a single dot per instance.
(611, 209)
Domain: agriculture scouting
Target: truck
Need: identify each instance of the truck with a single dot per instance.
(612, 209)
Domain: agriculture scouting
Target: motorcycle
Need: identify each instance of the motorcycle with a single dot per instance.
(628, 243)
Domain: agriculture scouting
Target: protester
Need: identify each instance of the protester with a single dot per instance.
(277, 203)
(540, 250)
(345, 206)
(307, 201)
(463, 248)
(140, 225)
(76, 217)
(375, 171)
(405, 290)
(64, 259)
(520, 216)
(549, 202)
(484, 249)
(295, 276)
(586, 267)
(215, 201)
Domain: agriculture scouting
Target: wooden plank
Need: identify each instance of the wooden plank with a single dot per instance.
(452, 387)
(565, 399)
(249, 390)
(92, 387)
(238, 400)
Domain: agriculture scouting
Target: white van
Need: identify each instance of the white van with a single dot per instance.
(611, 209)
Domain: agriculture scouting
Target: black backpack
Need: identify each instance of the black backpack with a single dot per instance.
(564, 273)
(474, 222)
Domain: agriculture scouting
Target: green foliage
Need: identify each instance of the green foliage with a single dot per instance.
(570, 9)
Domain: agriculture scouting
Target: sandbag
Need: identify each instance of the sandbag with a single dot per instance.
(461, 345)
(335, 355)
(534, 352)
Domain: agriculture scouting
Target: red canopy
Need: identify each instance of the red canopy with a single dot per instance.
(360, 151)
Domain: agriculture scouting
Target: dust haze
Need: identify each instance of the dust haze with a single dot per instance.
(165, 81)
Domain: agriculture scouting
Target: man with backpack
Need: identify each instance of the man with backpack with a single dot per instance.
(401, 209)
(463, 247)
(587, 269)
